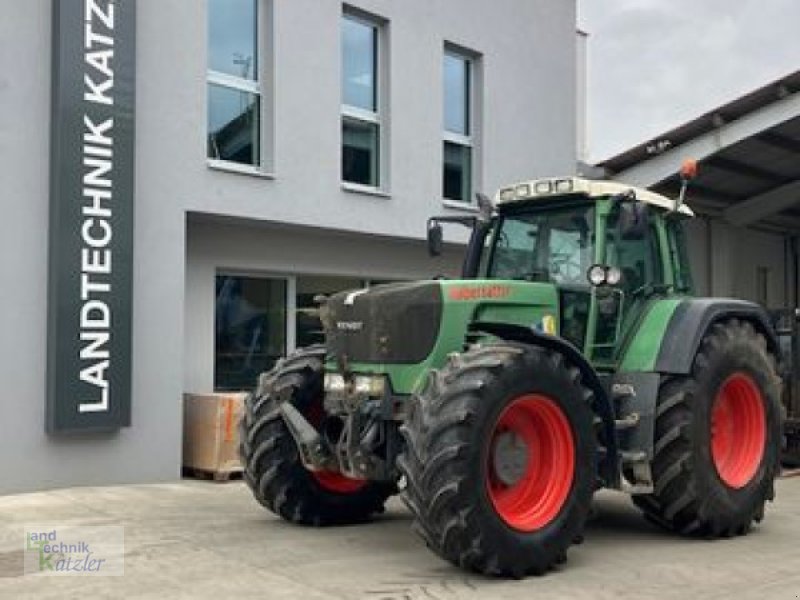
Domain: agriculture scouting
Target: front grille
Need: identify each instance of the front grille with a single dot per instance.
(396, 323)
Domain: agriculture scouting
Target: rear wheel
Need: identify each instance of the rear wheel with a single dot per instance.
(273, 469)
(718, 435)
(500, 460)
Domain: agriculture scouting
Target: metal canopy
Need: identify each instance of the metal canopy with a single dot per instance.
(749, 156)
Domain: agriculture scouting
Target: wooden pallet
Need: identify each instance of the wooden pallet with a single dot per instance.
(218, 476)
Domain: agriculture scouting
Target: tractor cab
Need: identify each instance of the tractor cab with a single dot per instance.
(607, 247)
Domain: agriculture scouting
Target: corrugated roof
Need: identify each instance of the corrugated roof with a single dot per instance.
(760, 164)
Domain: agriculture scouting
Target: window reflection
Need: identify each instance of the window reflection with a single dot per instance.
(360, 143)
(456, 94)
(457, 172)
(359, 64)
(233, 125)
(232, 37)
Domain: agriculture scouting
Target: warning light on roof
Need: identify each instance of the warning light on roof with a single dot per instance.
(689, 169)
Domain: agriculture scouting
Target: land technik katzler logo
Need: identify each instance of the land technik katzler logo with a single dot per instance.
(60, 550)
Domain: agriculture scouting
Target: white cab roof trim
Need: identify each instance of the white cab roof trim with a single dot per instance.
(586, 187)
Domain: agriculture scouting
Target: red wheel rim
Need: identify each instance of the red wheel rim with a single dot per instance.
(532, 491)
(333, 481)
(738, 430)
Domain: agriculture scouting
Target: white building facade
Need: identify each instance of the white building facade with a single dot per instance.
(283, 149)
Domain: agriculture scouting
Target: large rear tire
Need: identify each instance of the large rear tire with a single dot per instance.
(718, 437)
(272, 466)
(500, 460)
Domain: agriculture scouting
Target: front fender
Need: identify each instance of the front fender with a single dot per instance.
(602, 405)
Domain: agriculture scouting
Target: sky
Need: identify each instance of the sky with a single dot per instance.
(655, 64)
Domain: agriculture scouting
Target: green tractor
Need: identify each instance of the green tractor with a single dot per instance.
(570, 356)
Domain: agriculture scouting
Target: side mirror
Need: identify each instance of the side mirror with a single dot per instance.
(633, 220)
(435, 239)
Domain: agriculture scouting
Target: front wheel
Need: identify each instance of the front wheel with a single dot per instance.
(500, 460)
(272, 466)
(718, 436)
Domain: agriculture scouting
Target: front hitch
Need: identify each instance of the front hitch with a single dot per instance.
(313, 450)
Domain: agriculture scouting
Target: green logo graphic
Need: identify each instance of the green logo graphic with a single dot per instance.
(38, 542)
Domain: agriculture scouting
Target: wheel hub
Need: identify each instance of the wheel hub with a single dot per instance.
(510, 458)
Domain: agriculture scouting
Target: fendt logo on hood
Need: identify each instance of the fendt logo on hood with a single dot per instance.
(481, 292)
(349, 325)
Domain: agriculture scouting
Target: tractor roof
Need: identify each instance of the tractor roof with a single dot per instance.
(545, 189)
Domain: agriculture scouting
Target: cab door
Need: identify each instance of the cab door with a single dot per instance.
(632, 245)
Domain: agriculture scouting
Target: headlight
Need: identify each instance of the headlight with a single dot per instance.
(523, 191)
(543, 187)
(596, 275)
(334, 382)
(564, 186)
(369, 386)
(363, 385)
(613, 276)
(507, 195)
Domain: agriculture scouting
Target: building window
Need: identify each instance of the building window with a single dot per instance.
(234, 86)
(458, 127)
(361, 113)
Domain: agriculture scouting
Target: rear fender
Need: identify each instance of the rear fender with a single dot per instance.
(694, 317)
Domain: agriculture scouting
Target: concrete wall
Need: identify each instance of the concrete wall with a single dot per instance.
(527, 75)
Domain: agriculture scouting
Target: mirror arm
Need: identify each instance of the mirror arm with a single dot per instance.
(679, 201)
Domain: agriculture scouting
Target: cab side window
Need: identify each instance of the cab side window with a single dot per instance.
(637, 258)
(679, 255)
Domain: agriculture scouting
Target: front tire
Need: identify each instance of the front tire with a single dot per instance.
(718, 437)
(272, 466)
(500, 460)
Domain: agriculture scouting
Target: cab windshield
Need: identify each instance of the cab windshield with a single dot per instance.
(549, 245)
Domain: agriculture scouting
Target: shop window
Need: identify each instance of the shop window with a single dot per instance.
(234, 83)
(250, 329)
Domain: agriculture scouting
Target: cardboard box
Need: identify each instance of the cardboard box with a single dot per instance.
(210, 432)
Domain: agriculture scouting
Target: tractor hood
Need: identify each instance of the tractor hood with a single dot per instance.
(395, 323)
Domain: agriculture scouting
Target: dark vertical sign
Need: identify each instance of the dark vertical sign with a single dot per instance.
(91, 215)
